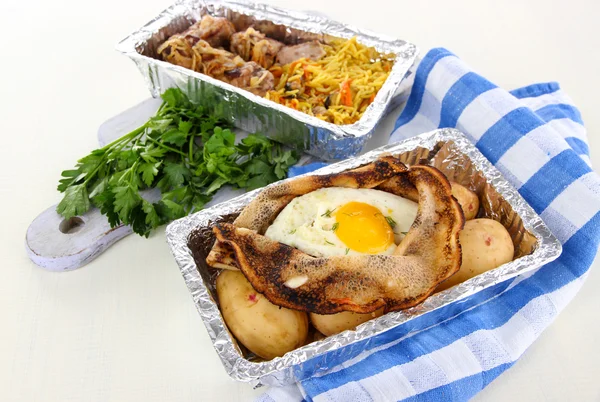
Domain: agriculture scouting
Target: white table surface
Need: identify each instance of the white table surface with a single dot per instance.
(124, 328)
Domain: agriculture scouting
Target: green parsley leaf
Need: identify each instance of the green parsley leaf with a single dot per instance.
(126, 198)
(174, 97)
(220, 142)
(148, 172)
(75, 202)
(158, 124)
(70, 177)
(175, 210)
(153, 153)
(215, 185)
(98, 187)
(185, 126)
(105, 201)
(152, 219)
(260, 180)
(174, 136)
(175, 174)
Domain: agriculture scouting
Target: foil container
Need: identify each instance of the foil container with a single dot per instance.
(254, 113)
(191, 239)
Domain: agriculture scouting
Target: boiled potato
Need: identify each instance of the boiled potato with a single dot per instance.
(332, 324)
(486, 245)
(265, 329)
(468, 200)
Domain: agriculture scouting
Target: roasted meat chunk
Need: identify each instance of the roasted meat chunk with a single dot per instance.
(178, 49)
(309, 50)
(216, 30)
(250, 77)
(253, 45)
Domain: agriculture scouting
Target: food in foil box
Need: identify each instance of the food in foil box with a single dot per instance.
(340, 249)
(330, 78)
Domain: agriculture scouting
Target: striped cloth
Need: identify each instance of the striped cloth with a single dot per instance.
(535, 137)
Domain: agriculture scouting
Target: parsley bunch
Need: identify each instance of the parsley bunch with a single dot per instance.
(185, 152)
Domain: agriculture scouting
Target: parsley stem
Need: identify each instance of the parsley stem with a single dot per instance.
(121, 142)
(160, 144)
(127, 137)
(191, 150)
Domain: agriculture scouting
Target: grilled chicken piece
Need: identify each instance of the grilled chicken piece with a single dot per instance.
(309, 50)
(250, 77)
(253, 45)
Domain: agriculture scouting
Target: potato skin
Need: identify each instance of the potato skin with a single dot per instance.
(468, 200)
(486, 245)
(265, 329)
(332, 324)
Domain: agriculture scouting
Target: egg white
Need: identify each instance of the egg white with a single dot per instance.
(306, 222)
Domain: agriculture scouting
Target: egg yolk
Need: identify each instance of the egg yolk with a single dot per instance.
(363, 228)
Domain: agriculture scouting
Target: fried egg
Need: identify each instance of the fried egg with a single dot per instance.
(344, 221)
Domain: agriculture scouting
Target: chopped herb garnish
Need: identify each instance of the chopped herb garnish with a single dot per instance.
(328, 213)
(293, 231)
(328, 242)
(390, 221)
(335, 226)
(347, 250)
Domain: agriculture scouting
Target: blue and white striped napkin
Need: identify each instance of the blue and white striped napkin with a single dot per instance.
(535, 137)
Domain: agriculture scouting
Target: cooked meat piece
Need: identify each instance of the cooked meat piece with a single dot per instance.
(309, 50)
(250, 77)
(178, 48)
(243, 42)
(252, 45)
(317, 110)
(243, 22)
(216, 31)
(191, 35)
(296, 36)
(265, 52)
(294, 85)
(215, 62)
(270, 29)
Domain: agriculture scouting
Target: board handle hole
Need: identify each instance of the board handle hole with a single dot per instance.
(71, 225)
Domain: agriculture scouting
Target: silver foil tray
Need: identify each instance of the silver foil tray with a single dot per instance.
(449, 150)
(253, 113)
